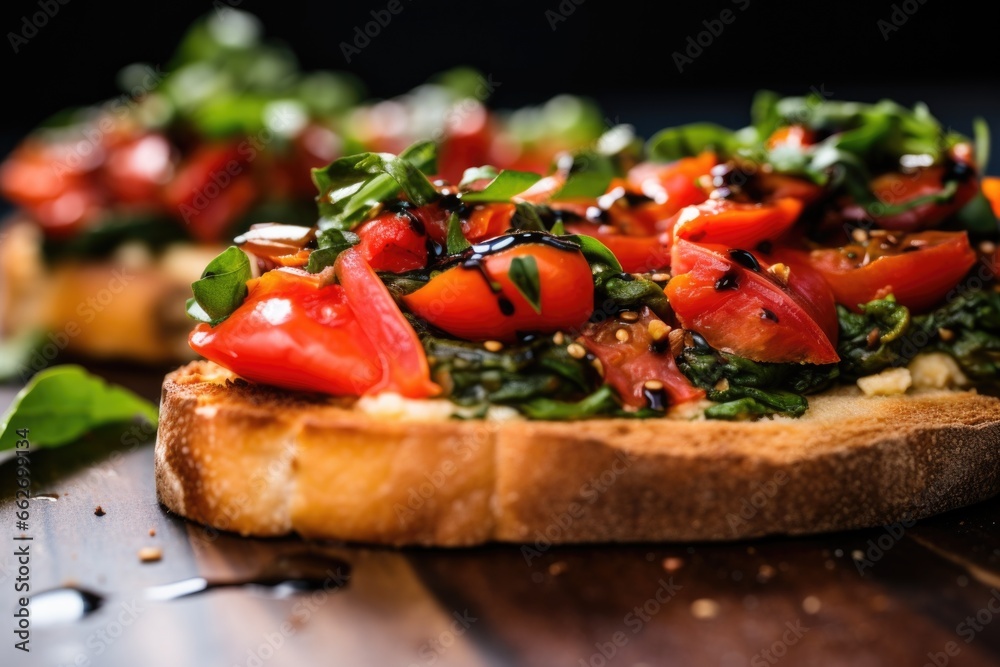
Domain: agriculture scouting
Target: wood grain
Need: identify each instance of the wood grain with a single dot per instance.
(732, 601)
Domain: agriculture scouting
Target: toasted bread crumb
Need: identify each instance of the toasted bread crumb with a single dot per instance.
(99, 511)
(150, 554)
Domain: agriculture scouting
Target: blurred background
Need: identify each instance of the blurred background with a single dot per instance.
(650, 70)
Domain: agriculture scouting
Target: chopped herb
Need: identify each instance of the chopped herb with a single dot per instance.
(524, 274)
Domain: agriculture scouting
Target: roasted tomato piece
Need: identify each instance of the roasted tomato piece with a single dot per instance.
(393, 242)
(212, 189)
(918, 269)
(673, 185)
(136, 170)
(742, 304)
(899, 188)
(404, 363)
(736, 224)
(292, 332)
(792, 136)
(637, 362)
(637, 254)
(991, 190)
(478, 299)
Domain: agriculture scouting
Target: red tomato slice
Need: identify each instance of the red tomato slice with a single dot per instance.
(897, 188)
(393, 242)
(404, 363)
(292, 333)
(918, 269)
(637, 254)
(735, 224)
(479, 300)
(212, 189)
(744, 311)
(136, 170)
(629, 364)
(991, 189)
(673, 185)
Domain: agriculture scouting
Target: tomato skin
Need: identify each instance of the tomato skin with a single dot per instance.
(393, 242)
(673, 185)
(991, 190)
(629, 364)
(292, 333)
(212, 189)
(742, 311)
(404, 363)
(919, 280)
(637, 254)
(793, 136)
(136, 170)
(461, 302)
(735, 224)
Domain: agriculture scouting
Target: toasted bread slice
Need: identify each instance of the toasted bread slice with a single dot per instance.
(256, 460)
(129, 306)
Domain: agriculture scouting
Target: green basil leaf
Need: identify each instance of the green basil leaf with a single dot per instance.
(353, 186)
(687, 140)
(331, 243)
(505, 186)
(523, 272)
(981, 135)
(979, 219)
(223, 285)
(456, 241)
(473, 174)
(527, 217)
(764, 114)
(597, 253)
(63, 403)
(584, 185)
(558, 228)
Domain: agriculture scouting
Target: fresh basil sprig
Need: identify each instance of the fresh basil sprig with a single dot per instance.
(63, 403)
(505, 186)
(456, 241)
(353, 186)
(331, 243)
(675, 143)
(222, 287)
(523, 273)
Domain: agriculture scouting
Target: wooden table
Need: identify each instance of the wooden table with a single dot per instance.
(867, 598)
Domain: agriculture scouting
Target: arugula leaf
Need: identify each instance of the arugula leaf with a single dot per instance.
(63, 403)
(456, 241)
(523, 272)
(675, 143)
(331, 243)
(353, 186)
(222, 288)
(473, 174)
(505, 186)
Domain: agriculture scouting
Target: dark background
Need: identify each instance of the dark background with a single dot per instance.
(616, 53)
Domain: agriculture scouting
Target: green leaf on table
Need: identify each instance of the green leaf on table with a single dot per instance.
(505, 186)
(63, 403)
(222, 287)
(351, 188)
(523, 273)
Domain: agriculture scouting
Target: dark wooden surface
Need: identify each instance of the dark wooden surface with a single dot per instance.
(915, 596)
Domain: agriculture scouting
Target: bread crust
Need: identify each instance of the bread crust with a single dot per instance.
(129, 306)
(258, 461)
